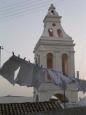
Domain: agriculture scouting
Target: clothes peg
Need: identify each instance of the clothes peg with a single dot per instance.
(18, 55)
(24, 58)
(13, 53)
(29, 61)
(41, 66)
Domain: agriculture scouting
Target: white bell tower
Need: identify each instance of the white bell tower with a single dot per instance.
(55, 49)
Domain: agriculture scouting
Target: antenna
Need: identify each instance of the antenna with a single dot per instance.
(1, 47)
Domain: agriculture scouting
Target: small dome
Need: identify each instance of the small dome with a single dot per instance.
(52, 11)
(51, 7)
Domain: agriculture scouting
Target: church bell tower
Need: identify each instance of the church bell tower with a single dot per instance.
(55, 49)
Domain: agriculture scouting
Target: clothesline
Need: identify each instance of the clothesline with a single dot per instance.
(28, 74)
(9, 52)
(22, 79)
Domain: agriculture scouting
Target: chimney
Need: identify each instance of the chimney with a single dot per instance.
(77, 74)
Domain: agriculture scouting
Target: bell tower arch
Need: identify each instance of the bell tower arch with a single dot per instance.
(65, 64)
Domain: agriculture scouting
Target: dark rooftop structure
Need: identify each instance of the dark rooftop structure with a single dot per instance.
(39, 108)
(82, 85)
(28, 108)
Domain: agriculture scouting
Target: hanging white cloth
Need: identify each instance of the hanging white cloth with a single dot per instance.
(38, 76)
(56, 79)
(59, 79)
(28, 74)
(8, 69)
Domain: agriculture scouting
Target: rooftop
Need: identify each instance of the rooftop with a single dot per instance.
(27, 108)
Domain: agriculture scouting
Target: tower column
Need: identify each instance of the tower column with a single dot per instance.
(58, 61)
(72, 65)
(43, 58)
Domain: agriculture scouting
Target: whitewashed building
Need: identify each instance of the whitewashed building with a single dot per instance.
(55, 49)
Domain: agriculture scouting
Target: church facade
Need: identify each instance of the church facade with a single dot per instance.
(55, 49)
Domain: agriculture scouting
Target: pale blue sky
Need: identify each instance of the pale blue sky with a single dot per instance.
(21, 24)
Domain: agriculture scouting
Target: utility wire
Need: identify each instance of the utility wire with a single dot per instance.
(12, 6)
(24, 10)
(27, 8)
(6, 6)
(21, 13)
(18, 6)
(7, 51)
(0, 54)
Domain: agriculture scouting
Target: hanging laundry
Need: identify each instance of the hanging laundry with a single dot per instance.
(55, 78)
(8, 69)
(38, 76)
(59, 79)
(24, 77)
(28, 74)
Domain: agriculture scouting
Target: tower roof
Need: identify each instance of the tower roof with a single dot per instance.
(52, 7)
(53, 33)
(52, 14)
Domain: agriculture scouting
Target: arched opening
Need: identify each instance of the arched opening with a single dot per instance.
(53, 24)
(59, 32)
(49, 60)
(49, 63)
(50, 31)
(65, 64)
(52, 11)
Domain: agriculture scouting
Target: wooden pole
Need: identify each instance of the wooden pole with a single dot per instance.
(0, 54)
(64, 98)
